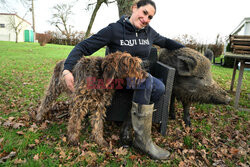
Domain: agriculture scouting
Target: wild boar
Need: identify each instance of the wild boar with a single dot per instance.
(209, 54)
(193, 80)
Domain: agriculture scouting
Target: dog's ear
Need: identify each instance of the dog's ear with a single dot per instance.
(108, 75)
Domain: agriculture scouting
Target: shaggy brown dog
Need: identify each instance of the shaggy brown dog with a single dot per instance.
(95, 80)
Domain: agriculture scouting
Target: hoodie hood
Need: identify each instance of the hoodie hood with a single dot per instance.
(124, 20)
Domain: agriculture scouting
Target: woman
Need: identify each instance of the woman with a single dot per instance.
(133, 35)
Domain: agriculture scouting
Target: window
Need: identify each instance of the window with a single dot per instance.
(2, 25)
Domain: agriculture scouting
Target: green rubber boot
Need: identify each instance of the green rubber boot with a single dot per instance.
(142, 123)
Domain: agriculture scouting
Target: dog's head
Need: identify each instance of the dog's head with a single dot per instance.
(122, 65)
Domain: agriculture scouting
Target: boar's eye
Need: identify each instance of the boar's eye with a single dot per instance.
(200, 77)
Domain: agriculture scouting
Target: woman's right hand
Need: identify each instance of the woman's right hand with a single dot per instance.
(69, 79)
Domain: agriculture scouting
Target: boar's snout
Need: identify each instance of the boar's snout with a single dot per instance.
(220, 99)
(228, 99)
(219, 95)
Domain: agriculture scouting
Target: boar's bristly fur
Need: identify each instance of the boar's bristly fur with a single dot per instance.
(193, 80)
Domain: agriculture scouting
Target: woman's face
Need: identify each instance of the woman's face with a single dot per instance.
(141, 17)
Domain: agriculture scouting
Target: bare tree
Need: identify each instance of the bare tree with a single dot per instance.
(92, 19)
(61, 17)
(124, 8)
(15, 25)
(27, 4)
(33, 18)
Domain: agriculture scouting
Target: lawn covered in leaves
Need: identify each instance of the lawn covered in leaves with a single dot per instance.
(219, 135)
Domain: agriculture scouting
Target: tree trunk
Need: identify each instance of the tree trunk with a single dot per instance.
(98, 5)
(124, 7)
(33, 19)
(16, 37)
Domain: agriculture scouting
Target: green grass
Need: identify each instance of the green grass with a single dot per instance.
(25, 70)
(223, 77)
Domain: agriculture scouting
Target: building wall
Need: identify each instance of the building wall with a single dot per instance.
(247, 28)
(7, 33)
(4, 32)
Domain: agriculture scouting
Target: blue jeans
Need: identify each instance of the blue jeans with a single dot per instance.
(149, 91)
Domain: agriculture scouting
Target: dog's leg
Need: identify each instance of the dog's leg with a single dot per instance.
(97, 121)
(77, 113)
(54, 90)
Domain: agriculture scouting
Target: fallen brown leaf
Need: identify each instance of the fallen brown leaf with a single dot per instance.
(34, 126)
(204, 141)
(62, 154)
(192, 158)
(37, 141)
(191, 151)
(44, 126)
(121, 151)
(203, 154)
(36, 157)
(242, 151)
(18, 125)
(20, 133)
(176, 144)
(8, 123)
(19, 161)
(218, 163)
(234, 151)
(9, 156)
(69, 157)
(64, 139)
(11, 118)
(115, 137)
(243, 165)
(133, 157)
(182, 164)
(1, 140)
(88, 156)
(31, 146)
(184, 151)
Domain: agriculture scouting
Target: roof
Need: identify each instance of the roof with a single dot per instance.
(242, 24)
(16, 16)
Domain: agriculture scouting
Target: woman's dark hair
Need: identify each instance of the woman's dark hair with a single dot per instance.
(145, 2)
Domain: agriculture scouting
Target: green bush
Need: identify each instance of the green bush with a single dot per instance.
(228, 62)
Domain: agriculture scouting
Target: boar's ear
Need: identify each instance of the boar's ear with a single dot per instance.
(185, 65)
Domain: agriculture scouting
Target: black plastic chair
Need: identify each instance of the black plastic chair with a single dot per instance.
(122, 99)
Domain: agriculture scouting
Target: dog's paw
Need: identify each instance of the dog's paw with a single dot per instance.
(102, 143)
(73, 140)
(39, 118)
(99, 140)
(73, 143)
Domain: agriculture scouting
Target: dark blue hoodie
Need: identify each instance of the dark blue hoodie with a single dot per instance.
(121, 36)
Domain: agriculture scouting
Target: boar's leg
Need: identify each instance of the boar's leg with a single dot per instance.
(186, 116)
(172, 107)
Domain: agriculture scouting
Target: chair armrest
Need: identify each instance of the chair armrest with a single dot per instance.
(166, 74)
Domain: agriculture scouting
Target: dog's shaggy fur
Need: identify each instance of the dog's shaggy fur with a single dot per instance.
(86, 99)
